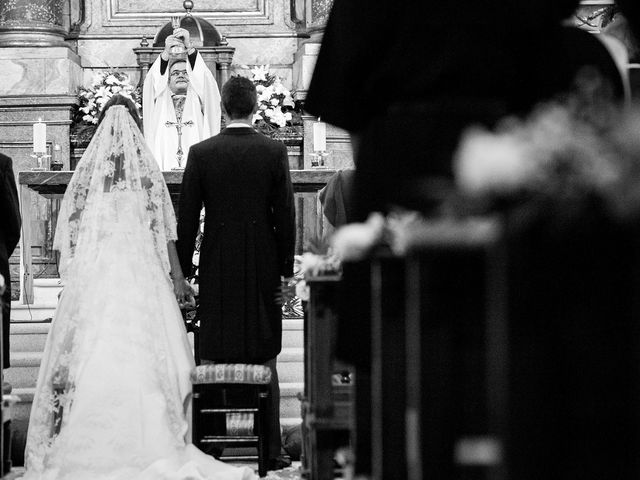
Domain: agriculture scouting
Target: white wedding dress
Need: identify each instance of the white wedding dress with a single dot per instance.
(113, 394)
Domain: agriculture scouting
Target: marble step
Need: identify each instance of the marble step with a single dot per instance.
(36, 312)
(31, 336)
(292, 329)
(46, 290)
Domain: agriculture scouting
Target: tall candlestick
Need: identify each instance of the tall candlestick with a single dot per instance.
(40, 137)
(319, 136)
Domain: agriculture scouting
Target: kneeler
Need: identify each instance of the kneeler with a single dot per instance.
(230, 407)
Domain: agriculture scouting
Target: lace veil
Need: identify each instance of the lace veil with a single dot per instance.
(116, 309)
(117, 160)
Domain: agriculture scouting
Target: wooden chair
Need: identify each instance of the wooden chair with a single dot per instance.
(230, 408)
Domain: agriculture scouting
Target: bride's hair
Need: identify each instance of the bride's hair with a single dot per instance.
(118, 99)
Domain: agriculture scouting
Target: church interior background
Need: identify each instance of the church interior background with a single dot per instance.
(49, 49)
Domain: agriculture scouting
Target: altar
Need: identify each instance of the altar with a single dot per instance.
(53, 184)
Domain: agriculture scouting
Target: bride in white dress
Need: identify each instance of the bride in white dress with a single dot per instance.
(113, 393)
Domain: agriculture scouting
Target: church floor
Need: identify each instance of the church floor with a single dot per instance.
(291, 473)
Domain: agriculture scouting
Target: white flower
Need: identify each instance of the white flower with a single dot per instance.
(260, 73)
(278, 118)
(487, 162)
(288, 117)
(97, 79)
(279, 88)
(111, 80)
(87, 118)
(274, 102)
(269, 112)
(288, 101)
(256, 117)
(302, 291)
(353, 241)
(260, 88)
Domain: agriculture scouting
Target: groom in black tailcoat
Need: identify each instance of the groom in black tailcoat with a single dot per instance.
(9, 237)
(243, 180)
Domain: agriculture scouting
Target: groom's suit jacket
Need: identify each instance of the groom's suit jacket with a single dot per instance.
(242, 179)
(9, 237)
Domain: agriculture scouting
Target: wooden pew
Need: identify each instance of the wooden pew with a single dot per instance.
(326, 406)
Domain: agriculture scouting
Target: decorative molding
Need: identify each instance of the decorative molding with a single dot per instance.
(220, 12)
(137, 36)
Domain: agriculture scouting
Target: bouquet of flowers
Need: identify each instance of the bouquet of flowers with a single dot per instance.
(275, 103)
(93, 98)
(103, 87)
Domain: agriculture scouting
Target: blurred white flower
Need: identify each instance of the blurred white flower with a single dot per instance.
(353, 241)
(399, 224)
(302, 291)
(487, 162)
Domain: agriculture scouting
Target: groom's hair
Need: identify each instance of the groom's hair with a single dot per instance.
(239, 97)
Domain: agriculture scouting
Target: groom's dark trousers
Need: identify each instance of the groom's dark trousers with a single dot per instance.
(242, 179)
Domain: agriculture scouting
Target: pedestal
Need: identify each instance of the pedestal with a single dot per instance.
(32, 23)
(303, 65)
(39, 71)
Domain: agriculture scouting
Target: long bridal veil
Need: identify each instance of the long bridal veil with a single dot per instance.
(117, 159)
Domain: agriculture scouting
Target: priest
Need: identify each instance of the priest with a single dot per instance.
(181, 102)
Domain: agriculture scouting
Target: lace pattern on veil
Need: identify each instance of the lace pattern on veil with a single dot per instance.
(116, 212)
(117, 158)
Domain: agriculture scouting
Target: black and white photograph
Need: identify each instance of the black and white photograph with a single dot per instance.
(320, 239)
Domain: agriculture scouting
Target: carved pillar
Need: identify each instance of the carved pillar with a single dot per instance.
(32, 23)
(225, 56)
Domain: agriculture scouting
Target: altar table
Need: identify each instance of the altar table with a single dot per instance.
(53, 184)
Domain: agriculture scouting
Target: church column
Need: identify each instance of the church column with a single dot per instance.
(225, 56)
(32, 23)
(40, 79)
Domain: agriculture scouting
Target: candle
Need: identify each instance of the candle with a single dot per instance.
(40, 137)
(319, 136)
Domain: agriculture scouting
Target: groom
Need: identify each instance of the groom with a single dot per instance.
(242, 178)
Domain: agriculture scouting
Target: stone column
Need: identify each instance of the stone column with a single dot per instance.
(32, 23)
(40, 79)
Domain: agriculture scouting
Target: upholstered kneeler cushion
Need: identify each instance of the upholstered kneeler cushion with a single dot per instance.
(231, 373)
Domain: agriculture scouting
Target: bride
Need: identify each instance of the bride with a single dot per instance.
(113, 393)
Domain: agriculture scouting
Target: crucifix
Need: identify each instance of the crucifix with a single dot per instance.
(178, 124)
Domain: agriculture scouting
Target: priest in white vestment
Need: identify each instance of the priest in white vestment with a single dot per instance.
(181, 103)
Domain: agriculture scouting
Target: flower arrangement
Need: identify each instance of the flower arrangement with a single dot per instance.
(559, 153)
(103, 87)
(275, 103)
(318, 260)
